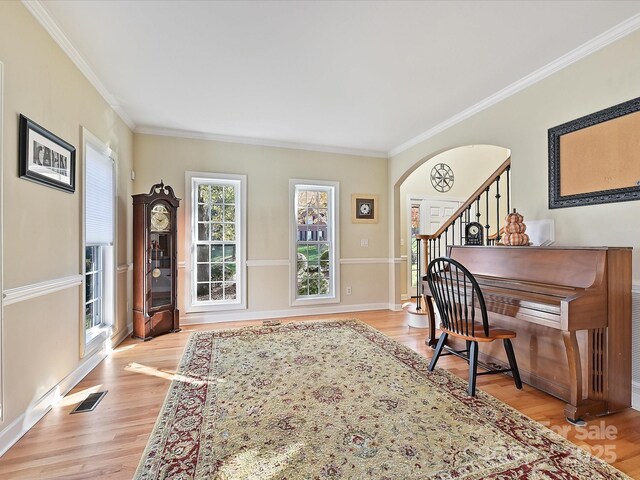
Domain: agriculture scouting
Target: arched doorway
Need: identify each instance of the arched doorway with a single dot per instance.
(431, 191)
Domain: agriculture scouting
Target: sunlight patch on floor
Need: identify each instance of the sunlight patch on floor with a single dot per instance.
(124, 348)
(256, 465)
(145, 370)
(74, 398)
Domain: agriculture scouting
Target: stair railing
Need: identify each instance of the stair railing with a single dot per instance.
(436, 244)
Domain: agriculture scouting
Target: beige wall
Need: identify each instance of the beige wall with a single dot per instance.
(268, 171)
(42, 226)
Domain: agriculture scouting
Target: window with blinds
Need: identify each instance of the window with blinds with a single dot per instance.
(99, 221)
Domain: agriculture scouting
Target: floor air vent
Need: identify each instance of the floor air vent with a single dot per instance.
(89, 403)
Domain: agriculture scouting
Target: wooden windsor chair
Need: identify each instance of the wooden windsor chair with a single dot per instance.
(463, 314)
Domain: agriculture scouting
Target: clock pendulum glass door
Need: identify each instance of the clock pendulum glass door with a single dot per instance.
(159, 278)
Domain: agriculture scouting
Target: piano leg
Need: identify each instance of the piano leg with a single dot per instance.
(577, 407)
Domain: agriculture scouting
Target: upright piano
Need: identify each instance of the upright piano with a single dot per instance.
(571, 309)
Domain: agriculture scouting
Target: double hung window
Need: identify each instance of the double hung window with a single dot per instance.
(217, 241)
(314, 253)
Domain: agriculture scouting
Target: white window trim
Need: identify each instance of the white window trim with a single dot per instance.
(92, 340)
(293, 253)
(241, 269)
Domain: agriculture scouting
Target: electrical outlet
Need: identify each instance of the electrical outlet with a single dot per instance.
(348, 290)
(364, 242)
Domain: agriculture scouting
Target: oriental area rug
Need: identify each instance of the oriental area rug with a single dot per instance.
(339, 400)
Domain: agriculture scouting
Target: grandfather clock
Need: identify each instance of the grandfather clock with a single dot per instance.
(155, 269)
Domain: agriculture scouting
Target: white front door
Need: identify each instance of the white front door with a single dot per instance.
(425, 215)
(439, 211)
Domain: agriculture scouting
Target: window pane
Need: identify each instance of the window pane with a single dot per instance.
(216, 272)
(229, 253)
(323, 200)
(203, 253)
(216, 232)
(229, 271)
(216, 194)
(88, 316)
(216, 291)
(203, 213)
(216, 213)
(324, 268)
(203, 273)
(229, 194)
(97, 313)
(203, 292)
(89, 288)
(204, 194)
(229, 232)
(90, 258)
(216, 253)
(203, 231)
(229, 213)
(230, 291)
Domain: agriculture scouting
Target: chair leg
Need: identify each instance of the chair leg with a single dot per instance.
(508, 348)
(468, 342)
(439, 347)
(473, 368)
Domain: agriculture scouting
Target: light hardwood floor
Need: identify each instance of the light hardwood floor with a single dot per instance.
(107, 443)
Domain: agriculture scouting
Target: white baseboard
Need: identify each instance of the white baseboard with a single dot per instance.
(217, 317)
(21, 425)
(635, 395)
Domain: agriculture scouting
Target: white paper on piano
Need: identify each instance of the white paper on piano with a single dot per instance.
(541, 232)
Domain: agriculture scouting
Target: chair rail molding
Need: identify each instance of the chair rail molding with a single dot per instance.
(26, 292)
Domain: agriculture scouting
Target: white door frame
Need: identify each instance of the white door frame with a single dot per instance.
(424, 221)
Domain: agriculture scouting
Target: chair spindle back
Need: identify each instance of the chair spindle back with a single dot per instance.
(457, 295)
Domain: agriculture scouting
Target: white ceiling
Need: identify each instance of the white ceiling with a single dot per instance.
(359, 75)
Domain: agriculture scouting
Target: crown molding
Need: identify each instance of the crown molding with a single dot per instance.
(621, 30)
(169, 132)
(41, 14)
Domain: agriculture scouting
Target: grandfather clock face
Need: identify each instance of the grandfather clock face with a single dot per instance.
(160, 218)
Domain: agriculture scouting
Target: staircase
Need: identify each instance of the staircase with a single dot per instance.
(483, 206)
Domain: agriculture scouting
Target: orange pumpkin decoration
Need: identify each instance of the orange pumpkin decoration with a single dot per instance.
(514, 230)
(514, 217)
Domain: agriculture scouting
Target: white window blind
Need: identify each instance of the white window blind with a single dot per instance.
(99, 198)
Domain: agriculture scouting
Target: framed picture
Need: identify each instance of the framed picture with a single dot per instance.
(596, 158)
(364, 208)
(46, 158)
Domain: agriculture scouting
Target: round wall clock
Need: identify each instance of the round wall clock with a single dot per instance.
(442, 177)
